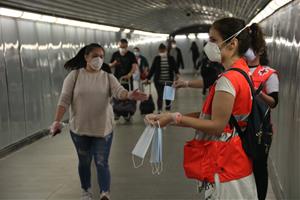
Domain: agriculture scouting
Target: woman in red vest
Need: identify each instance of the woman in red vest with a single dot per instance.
(230, 95)
(262, 74)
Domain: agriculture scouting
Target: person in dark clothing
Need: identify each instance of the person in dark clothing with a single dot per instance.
(195, 55)
(210, 72)
(176, 53)
(142, 71)
(165, 70)
(124, 62)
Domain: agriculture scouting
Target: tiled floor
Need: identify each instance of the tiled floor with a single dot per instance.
(47, 169)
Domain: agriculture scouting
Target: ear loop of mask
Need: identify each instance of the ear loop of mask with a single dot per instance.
(157, 168)
(234, 35)
(142, 162)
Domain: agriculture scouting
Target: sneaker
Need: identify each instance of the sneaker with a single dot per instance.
(104, 196)
(86, 195)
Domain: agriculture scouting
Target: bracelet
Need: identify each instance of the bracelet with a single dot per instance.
(178, 117)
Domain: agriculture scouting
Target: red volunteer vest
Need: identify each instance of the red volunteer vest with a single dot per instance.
(261, 74)
(233, 163)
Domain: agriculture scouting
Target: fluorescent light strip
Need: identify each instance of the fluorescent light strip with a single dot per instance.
(180, 36)
(191, 36)
(50, 19)
(149, 33)
(269, 10)
(203, 36)
(126, 30)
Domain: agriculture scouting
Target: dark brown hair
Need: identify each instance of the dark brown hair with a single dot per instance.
(258, 43)
(229, 26)
(78, 61)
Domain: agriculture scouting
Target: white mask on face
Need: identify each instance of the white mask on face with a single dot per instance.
(122, 51)
(136, 53)
(250, 55)
(213, 51)
(173, 45)
(96, 63)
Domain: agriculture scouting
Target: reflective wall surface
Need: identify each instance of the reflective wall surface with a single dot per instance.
(283, 37)
(32, 55)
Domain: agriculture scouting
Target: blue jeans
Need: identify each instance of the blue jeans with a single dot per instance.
(93, 147)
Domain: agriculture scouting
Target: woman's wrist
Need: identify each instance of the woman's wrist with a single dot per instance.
(187, 83)
(176, 117)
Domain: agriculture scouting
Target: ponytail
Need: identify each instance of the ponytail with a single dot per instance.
(79, 61)
(258, 43)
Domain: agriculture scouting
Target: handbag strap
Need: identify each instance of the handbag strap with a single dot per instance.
(74, 85)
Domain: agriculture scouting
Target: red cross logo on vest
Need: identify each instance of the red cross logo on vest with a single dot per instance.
(263, 71)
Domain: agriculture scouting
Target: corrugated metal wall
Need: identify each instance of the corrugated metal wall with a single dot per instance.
(282, 30)
(32, 55)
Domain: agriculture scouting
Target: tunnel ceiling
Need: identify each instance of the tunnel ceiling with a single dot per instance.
(164, 16)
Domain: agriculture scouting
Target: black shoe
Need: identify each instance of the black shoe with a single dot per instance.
(168, 108)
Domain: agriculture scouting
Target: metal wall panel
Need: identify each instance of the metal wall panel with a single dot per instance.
(32, 80)
(14, 78)
(4, 104)
(282, 30)
(56, 59)
(44, 38)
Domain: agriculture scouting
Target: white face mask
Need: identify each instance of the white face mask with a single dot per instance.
(122, 51)
(96, 63)
(250, 55)
(173, 45)
(213, 51)
(136, 53)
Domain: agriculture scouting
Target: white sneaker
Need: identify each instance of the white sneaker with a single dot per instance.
(86, 195)
(104, 196)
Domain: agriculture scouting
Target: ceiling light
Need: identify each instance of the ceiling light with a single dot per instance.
(31, 16)
(269, 10)
(191, 36)
(126, 30)
(203, 36)
(10, 12)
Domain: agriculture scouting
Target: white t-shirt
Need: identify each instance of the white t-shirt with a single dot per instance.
(224, 84)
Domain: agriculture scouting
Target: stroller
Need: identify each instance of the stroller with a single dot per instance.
(148, 106)
(124, 108)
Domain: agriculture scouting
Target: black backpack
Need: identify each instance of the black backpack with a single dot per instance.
(251, 137)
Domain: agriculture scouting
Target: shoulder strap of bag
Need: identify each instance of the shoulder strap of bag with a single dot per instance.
(232, 119)
(109, 87)
(76, 77)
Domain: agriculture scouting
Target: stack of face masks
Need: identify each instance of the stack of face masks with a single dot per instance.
(154, 135)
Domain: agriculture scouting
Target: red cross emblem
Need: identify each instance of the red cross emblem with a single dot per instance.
(263, 71)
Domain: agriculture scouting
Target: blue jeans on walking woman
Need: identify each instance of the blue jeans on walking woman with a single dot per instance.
(93, 147)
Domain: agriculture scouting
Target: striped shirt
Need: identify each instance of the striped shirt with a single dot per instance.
(164, 69)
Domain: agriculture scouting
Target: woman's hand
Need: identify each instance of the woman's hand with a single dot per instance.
(55, 128)
(137, 95)
(161, 120)
(180, 84)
